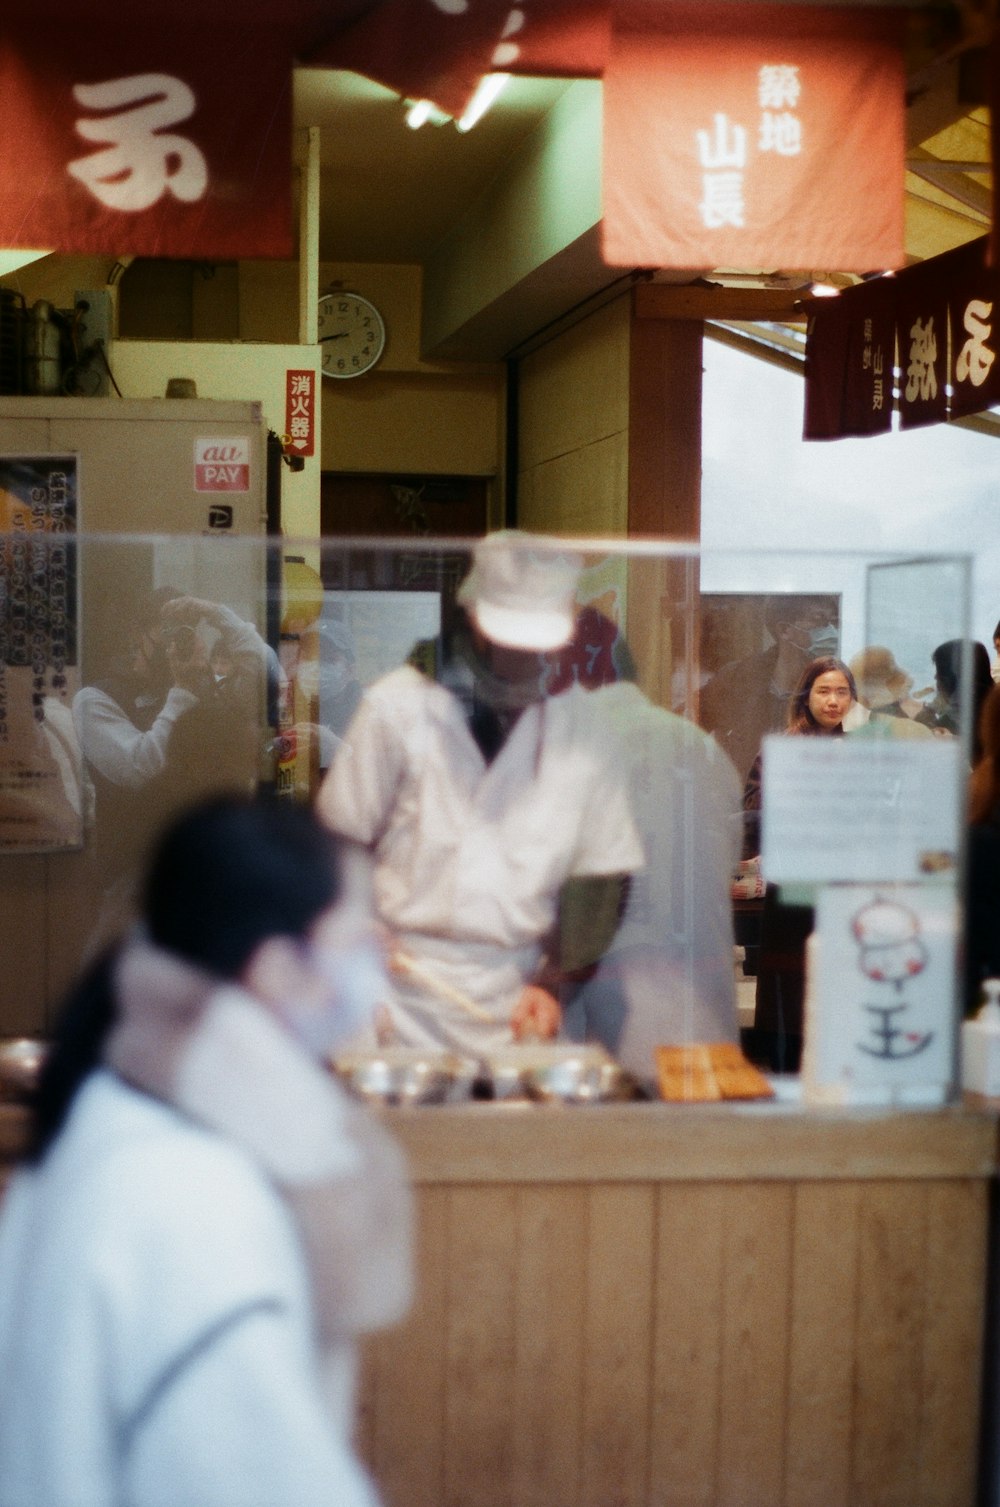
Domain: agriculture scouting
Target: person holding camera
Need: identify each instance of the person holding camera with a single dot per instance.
(124, 722)
(162, 729)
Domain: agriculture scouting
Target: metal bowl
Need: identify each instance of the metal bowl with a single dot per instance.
(21, 1059)
(407, 1075)
(556, 1072)
(577, 1081)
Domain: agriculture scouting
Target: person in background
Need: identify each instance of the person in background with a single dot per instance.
(822, 699)
(204, 1220)
(943, 714)
(995, 666)
(885, 707)
(749, 698)
(982, 890)
(667, 977)
(175, 720)
(329, 680)
(340, 689)
(883, 686)
(124, 721)
(479, 796)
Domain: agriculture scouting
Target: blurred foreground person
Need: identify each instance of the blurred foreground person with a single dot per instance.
(204, 1220)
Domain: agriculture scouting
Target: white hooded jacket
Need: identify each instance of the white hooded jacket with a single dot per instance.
(163, 1339)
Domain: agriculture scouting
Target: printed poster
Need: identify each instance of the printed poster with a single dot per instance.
(41, 784)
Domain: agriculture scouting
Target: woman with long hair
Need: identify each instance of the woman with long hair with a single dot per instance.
(944, 713)
(821, 700)
(982, 888)
(204, 1220)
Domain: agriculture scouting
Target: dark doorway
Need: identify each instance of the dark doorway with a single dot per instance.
(394, 506)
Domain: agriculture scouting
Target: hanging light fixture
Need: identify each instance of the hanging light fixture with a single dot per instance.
(420, 111)
(488, 91)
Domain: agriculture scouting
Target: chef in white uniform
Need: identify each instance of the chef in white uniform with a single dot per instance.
(479, 797)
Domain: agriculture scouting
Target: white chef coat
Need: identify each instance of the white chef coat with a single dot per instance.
(469, 856)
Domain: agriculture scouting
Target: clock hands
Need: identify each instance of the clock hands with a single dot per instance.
(340, 335)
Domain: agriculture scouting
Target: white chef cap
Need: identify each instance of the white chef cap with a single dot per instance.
(520, 593)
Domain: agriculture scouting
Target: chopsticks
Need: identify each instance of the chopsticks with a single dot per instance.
(419, 973)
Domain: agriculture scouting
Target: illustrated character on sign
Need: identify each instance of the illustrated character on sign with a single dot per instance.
(891, 951)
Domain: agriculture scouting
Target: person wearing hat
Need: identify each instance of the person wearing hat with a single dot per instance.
(479, 797)
(883, 687)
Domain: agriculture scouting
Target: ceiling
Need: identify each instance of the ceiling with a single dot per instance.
(390, 194)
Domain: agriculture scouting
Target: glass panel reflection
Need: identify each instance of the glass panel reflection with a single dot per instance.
(542, 747)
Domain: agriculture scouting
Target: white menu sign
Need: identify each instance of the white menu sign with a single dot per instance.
(860, 809)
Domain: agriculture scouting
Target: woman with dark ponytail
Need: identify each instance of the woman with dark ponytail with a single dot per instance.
(204, 1220)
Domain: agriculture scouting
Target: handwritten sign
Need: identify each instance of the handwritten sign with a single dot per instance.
(880, 1013)
(858, 809)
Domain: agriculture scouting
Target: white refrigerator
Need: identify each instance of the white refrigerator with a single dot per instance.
(103, 500)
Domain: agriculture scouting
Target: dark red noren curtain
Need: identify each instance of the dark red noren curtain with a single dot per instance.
(169, 140)
(973, 290)
(424, 49)
(922, 334)
(439, 49)
(850, 349)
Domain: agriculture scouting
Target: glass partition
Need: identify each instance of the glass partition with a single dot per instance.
(584, 815)
(917, 614)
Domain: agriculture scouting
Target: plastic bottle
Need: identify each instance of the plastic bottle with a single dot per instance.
(981, 1045)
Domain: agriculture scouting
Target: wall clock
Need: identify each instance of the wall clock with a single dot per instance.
(351, 334)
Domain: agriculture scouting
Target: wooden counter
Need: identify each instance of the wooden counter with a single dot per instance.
(701, 1306)
(694, 1306)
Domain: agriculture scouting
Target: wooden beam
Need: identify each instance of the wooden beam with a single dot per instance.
(711, 301)
(664, 462)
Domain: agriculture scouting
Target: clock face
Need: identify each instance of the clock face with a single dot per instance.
(351, 334)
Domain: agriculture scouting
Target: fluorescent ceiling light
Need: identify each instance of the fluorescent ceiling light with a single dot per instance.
(423, 110)
(11, 260)
(488, 91)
